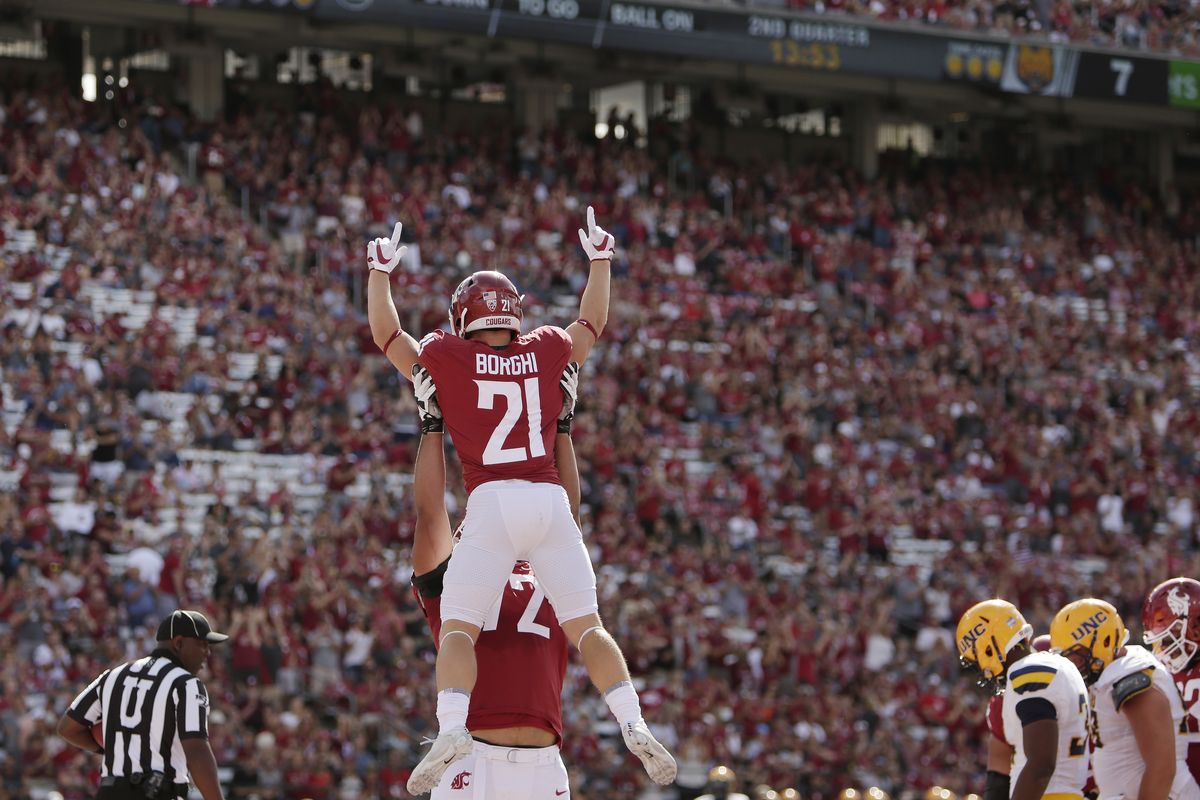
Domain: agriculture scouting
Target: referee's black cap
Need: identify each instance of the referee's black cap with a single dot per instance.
(192, 624)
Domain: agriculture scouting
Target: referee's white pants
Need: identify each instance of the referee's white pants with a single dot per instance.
(511, 520)
(491, 772)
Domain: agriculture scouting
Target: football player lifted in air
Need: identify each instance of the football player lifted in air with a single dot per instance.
(1171, 621)
(1136, 709)
(499, 393)
(1045, 704)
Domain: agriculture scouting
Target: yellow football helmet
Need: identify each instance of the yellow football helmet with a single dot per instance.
(764, 792)
(986, 634)
(875, 793)
(849, 794)
(1090, 632)
(939, 793)
(789, 794)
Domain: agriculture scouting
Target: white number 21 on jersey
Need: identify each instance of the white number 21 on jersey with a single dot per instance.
(496, 452)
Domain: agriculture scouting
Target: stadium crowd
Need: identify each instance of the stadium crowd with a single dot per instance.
(1165, 26)
(815, 430)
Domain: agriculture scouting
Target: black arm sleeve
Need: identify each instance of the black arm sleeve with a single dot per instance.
(997, 786)
(429, 585)
(1035, 709)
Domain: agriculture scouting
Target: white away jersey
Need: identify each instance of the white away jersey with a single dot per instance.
(1117, 760)
(1048, 686)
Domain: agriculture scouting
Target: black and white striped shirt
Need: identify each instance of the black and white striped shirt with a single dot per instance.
(147, 708)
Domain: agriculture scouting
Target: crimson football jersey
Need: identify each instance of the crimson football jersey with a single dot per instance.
(522, 654)
(501, 405)
(995, 717)
(1188, 683)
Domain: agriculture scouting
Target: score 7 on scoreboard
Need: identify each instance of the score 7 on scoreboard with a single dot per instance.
(1122, 77)
(1183, 85)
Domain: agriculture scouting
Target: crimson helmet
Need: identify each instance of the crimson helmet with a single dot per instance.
(484, 301)
(1171, 619)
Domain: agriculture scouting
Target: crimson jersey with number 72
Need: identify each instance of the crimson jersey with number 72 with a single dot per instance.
(522, 653)
(1188, 683)
(500, 405)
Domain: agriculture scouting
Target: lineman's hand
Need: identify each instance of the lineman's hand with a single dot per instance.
(570, 389)
(597, 242)
(385, 254)
(427, 402)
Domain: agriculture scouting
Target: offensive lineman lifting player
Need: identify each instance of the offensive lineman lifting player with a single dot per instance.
(516, 708)
(500, 399)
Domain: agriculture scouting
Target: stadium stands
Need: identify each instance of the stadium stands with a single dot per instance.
(1164, 27)
(814, 431)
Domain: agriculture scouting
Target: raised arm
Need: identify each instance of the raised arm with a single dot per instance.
(593, 306)
(432, 539)
(383, 255)
(568, 471)
(564, 448)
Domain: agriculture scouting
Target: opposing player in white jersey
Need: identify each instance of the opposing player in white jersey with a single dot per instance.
(1171, 622)
(999, 751)
(1136, 708)
(1045, 707)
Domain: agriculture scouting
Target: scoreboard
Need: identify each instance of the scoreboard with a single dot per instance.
(803, 42)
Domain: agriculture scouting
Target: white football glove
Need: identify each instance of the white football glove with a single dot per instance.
(597, 242)
(570, 389)
(427, 402)
(385, 254)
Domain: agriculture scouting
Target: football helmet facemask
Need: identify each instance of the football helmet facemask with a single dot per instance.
(986, 634)
(1171, 619)
(484, 301)
(1089, 632)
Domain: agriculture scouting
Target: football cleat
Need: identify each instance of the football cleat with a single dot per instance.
(659, 764)
(448, 747)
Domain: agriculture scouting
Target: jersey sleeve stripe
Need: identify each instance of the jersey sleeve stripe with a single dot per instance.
(1031, 687)
(194, 717)
(85, 709)
(1031, 669)
(1031, 681)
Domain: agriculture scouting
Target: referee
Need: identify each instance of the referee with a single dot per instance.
(152, 716)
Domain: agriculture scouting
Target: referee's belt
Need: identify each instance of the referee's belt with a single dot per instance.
(167, 790)
(517, 755)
